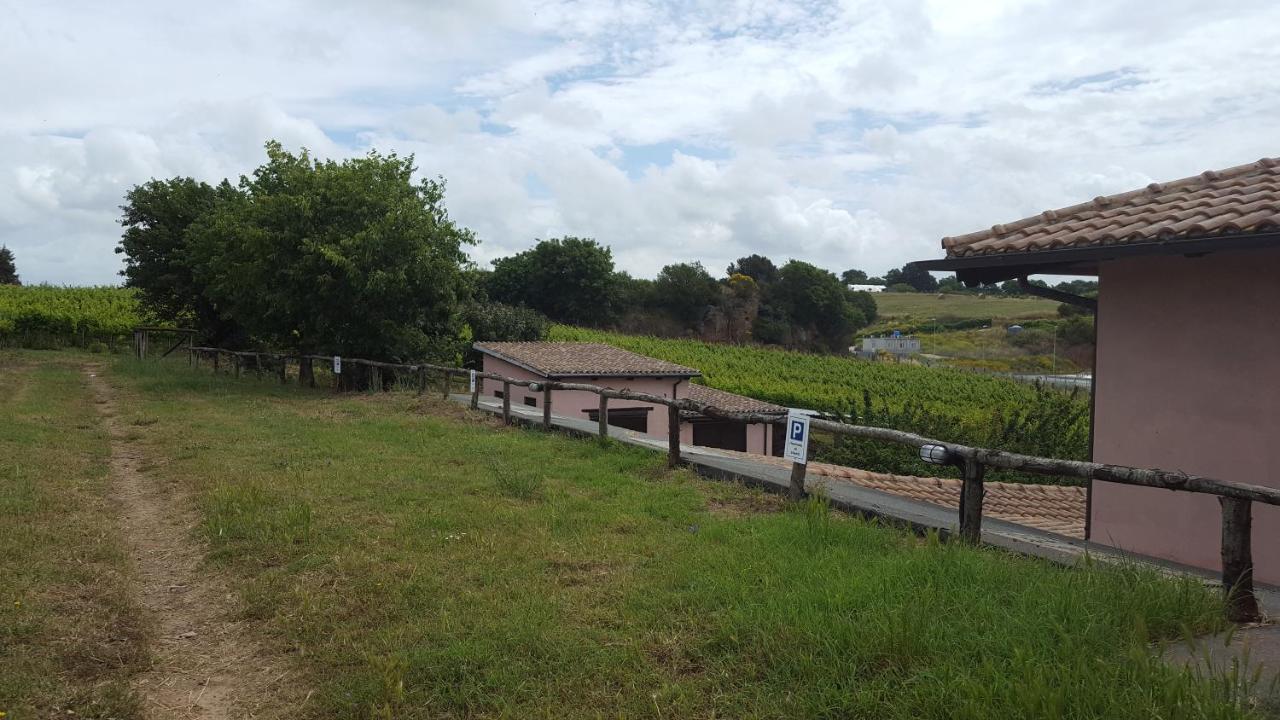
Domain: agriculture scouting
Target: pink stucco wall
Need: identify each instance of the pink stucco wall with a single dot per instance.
(1188, 378)
(575, 404)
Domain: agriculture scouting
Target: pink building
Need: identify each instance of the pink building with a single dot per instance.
(611, 367)
(1187, 372)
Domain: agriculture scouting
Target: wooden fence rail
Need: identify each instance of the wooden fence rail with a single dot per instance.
(1236, 498)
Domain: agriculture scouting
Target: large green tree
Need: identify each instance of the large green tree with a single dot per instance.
(757, 267)
(350, 257)
(912, 274)
(157, 259)
(808, 307)
(8, 269)
(854, 277)
(570, 280)
(685, 291)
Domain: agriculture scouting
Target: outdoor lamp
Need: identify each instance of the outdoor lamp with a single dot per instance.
(934, 454)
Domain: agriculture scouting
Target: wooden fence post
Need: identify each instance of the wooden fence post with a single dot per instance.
(1237, 560)
(506, 403)
(236, 360)
(475, 395)
(422, 380)
(191, 358)
(546, 406)
(796, 490)
(306, 373)
(217, 361)
(375, 378)
(971, 501)
(604, 416)
(284, 370)
(673, 436)
(257, 365)
(195, 359)
(445, 378)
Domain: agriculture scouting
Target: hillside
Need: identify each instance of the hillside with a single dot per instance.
(954, 405)
(919, 307)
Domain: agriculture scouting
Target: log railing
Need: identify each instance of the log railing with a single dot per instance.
(1236, 498)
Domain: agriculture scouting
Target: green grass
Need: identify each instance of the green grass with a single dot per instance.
(421, 561)
(70, 632)
(928, 306)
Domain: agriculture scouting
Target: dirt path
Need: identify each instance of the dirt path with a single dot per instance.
(207, 665)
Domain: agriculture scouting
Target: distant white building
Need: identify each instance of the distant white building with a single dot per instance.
(895, 344)
(867, 288)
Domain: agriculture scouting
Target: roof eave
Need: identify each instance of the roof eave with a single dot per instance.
(996, 267)
(658, 375)
(553, 376)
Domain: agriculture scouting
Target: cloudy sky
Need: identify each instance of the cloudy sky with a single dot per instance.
(848, 134)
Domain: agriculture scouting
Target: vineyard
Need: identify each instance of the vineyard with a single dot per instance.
(44, 316)
(950, 405)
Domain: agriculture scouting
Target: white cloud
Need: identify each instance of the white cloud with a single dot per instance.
(848, 134)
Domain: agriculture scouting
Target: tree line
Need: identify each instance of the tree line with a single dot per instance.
(357, 258)
(573, 280)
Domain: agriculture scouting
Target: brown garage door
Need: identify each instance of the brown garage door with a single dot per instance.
(725, 434)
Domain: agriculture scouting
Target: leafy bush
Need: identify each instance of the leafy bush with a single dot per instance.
(499, 321)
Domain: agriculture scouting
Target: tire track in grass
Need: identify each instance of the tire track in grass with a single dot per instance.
(207, 664)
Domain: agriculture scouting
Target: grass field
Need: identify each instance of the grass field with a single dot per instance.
(417, 561)
(70, 634)
(928, 306)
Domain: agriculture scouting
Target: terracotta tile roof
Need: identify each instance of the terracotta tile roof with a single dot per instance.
(578, 359)
(729, 401)
(1056, 508)
(1243, 199)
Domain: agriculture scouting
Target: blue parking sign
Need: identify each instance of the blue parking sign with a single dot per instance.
(797, 431)
(797, 449)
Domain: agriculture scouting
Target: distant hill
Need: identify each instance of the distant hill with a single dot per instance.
(932, 306)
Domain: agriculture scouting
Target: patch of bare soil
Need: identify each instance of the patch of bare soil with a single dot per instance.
(746, 503)
(207, 664)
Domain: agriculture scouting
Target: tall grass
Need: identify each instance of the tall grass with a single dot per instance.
(449, 567)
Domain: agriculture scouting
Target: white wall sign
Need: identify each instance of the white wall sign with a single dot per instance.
(337, 365)
(473, 381)
(797, 449)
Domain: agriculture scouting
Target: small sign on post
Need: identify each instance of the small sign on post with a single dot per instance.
(797, 449)
(472, 387)
(337, 365)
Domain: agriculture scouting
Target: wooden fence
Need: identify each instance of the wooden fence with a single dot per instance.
(1236, 498)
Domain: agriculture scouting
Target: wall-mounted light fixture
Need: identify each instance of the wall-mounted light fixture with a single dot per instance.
(934, 454)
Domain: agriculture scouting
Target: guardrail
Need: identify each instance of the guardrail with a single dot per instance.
(1236, 498)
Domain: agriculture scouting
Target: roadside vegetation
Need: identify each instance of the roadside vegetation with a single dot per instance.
(47, 317)
(421, 561)
(71, 634)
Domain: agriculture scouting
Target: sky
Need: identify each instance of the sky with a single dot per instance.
(846, 134)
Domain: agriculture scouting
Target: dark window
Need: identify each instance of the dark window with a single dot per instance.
(531, 401)
(629, 418)
(778, 442)
(497, 394)
(725, 434)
